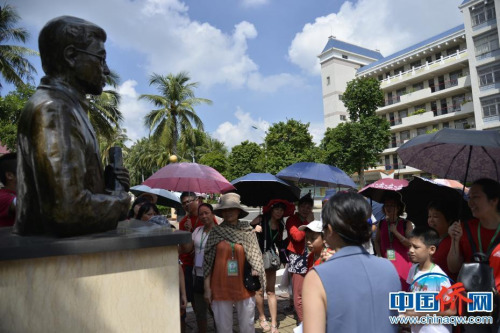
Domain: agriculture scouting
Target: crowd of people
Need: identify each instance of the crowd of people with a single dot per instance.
(334, 279)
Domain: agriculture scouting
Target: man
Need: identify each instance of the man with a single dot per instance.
(61, 185)
(8, 192)
(190, 202)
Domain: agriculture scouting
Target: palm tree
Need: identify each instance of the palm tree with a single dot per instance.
(175, 107)
(117, 140)
(14, 67)
(103, 110)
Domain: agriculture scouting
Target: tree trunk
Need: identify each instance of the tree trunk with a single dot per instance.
(361, 177)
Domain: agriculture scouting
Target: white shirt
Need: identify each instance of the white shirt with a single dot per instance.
(428, 283)
(199, 237)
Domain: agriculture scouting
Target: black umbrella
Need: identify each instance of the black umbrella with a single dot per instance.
(256, 189)
(420, 192)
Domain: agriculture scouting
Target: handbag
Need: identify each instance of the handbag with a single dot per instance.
(251, 282)
(270, 258)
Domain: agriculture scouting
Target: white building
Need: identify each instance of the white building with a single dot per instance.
(449, 80)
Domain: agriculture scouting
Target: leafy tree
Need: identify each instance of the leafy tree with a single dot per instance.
(288, 143)
(14, 67)
(144, 157)
(355, 146)
(244, 158)
(362, 97)
(103, 112)
(175, 107)
(216, 160)
(117, 140)
(10, 110)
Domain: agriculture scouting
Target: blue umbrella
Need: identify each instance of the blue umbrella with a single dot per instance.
(257, 189)
(316, 174)
(164, 197)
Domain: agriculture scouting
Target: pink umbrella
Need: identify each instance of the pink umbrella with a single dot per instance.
(452, 183)
(376, 190)
(190, 177)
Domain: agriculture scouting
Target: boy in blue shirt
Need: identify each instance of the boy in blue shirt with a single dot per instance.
(424, 242)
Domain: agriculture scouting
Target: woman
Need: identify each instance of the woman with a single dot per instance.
(269, 228)
(440, 217)
(200, 237)
(349, 292)
(484, 202)
(297, 255)
(227, 247)
(391, 241)
(147, 211)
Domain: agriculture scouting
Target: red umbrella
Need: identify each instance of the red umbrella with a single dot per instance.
(191, 177)
(376, 190)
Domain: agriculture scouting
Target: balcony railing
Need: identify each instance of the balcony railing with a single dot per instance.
(420, 69)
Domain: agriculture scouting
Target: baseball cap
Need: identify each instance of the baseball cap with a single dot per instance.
(316, 226)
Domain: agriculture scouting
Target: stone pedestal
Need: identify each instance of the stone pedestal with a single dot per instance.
(110, 282)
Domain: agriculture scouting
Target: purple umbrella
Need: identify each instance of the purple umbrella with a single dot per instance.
(455, 154)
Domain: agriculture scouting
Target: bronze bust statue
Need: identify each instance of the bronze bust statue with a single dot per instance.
(60, 178)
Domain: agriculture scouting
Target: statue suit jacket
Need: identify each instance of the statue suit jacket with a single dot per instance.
(60, 180)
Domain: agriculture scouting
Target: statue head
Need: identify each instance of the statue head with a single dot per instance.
(73, 49)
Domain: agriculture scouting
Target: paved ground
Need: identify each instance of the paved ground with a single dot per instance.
(286, 318)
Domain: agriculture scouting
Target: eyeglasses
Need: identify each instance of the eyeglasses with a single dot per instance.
(187, 202)
(100, 57)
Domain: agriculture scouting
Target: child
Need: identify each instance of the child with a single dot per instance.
(423, 244)
(318, 252)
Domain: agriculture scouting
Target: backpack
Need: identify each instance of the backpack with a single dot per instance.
(478, 275)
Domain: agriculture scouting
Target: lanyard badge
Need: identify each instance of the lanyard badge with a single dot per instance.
(232, 264)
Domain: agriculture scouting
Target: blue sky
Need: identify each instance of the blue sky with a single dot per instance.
(255, 59)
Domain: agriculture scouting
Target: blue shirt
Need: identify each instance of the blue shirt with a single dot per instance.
(357, 287)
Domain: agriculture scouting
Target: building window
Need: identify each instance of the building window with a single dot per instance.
(453, 50)
(490, 106)
(457, 101)
(387, 75)
(482, 13)
(341, 97)
(485, 45)
(488, 76)
(399, 93)
(421, 130)
(395, 161)
(418, 86)
(345, 57)
(428, 59)
(380, 77)
(446, 125)
(327, 80)
(416, 64)
(343, 118)
(402, 114)
(399, 70)
(444, 106)
(419, 107)
(454, 77)
(461, 124)
(404, 135)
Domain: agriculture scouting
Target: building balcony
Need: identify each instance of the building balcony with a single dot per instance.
(425, 95)
(424, 72)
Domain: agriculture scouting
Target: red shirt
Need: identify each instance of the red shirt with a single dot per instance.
(187, 259)
(297, 238)
(495, 264)
(440, 257)
(486, 236)
(7, 217)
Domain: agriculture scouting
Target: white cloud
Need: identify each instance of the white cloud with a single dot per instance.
(246, 128)
(168, 38)
(272, 83)
(387, 25)
(133, 111)
(317, 131)
(254, 3)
